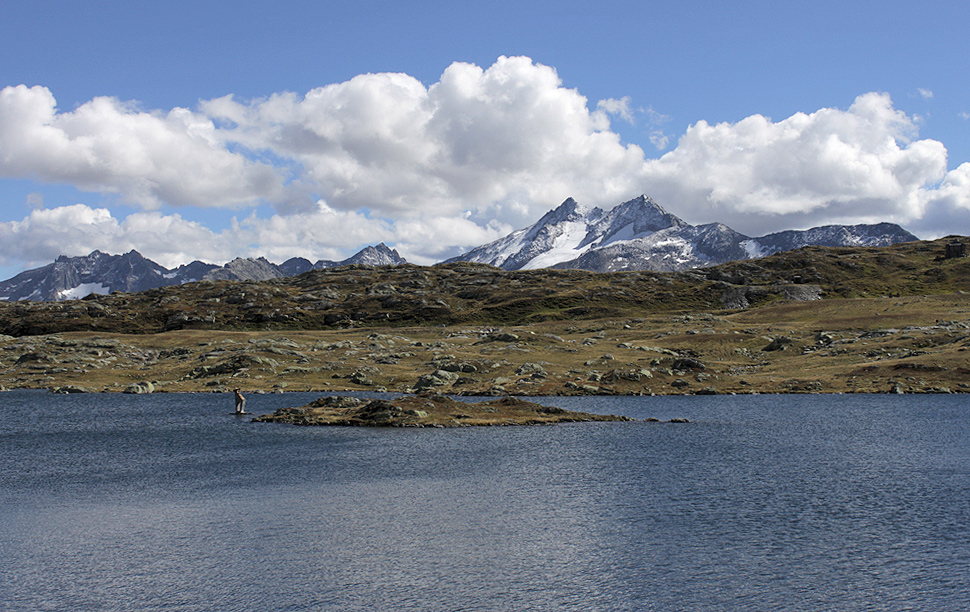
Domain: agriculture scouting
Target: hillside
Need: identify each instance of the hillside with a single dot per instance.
(463, 293)
(889, 319)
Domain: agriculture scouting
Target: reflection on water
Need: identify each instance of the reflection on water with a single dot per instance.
(169, 502)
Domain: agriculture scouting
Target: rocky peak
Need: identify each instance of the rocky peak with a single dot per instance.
(246, 269)
(380, 255)
(633, 219)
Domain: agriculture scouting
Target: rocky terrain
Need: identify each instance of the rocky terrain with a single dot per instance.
(891, 319)
(427, 410)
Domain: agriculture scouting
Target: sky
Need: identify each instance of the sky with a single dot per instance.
(215, 130)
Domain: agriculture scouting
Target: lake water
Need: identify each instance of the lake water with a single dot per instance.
(795, 502)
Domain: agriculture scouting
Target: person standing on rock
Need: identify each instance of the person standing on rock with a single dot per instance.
(240, 402)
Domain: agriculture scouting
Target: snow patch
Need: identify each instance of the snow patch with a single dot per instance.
(82, 290)
(564, 247)
(753, 249)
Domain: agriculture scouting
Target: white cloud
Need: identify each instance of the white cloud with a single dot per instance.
(107, 146)
(509, 139)
(926, 94)
(78, 229)
(947, 207)
(619, 108)
(437, 169)
(831, 166)
(170, 240)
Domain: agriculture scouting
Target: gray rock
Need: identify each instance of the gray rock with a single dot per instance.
(69, 389)
(529, 368)
(687, 364)
(778, 344)
(34, 358)
(448, 377)
(438, 379)
(359, 378)
(503, 337)
(139, 388)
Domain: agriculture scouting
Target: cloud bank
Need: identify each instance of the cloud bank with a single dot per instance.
(440, 168)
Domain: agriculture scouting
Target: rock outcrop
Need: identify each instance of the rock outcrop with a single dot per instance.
(426, 411)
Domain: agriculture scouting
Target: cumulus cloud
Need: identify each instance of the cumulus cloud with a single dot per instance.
(926, 94)
(437, 169)
(170, 240)
(509, 139)
(78, 229)
(831, 166)
(947, 207)
(107, 146)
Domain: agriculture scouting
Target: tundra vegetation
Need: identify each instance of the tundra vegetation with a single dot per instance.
(816, 320)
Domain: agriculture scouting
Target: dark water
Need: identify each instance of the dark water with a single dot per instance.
(169, 502)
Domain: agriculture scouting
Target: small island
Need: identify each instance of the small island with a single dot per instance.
(428, 410)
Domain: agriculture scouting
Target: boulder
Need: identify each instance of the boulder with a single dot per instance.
(687, 364)
(530, 368)
(359, 378)
(34, 358)
(778, 344)
(439, 378)
(139, 388)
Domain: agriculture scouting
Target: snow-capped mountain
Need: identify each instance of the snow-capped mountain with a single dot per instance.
(76, 277)
(641, 235)
(572, 230)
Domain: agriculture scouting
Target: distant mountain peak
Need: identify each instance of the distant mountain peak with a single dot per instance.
(640, 234)
(77, 277)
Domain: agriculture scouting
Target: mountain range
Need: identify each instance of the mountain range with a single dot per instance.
(76, 277)
(635, 235)
(641, 235)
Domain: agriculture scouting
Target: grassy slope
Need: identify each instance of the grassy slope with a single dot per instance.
(894, 319)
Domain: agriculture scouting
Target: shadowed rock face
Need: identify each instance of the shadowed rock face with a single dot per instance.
(426, 411)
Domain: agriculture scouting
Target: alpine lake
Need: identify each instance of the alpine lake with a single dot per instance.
(170, 502)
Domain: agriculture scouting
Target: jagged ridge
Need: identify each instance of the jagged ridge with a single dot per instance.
(77, 277)
(640, 235)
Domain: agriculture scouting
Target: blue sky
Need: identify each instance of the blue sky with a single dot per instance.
(215, 130)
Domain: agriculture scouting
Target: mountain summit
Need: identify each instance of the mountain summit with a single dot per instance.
(640, 235)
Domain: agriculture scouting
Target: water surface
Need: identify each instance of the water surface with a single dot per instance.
(170, 502)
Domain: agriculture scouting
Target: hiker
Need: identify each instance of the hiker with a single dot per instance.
(240, 402)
